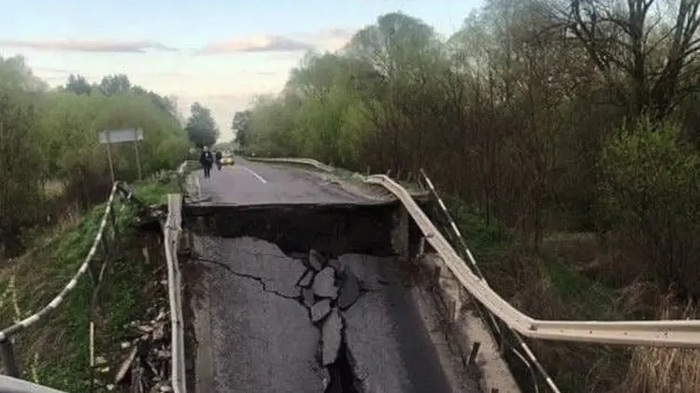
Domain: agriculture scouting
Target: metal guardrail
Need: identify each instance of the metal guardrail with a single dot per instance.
(667, 333)
(528, 358)
(96, 272)
(14, 385)
(303, 161)
(171, 234)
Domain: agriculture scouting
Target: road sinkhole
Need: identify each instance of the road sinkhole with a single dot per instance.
(311, 294)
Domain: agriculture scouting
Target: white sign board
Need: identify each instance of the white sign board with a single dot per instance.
(119, 136)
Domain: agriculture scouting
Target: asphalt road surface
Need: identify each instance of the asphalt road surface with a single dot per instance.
(253, 324)
(253, 183)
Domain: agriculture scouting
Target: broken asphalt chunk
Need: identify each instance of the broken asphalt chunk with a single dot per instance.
(349, 290)
(316, 260)
(320, 310)
(308, 295)
(324, 284)
(335, 264)
(306, 279)
(332, 336)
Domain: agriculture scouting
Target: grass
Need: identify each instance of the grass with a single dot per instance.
(55, 351)
(480, 235)
(546, 285)
(584, 298)
(155, 191)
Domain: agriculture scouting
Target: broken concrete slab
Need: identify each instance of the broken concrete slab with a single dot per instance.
(324, 284)
(331, 334)
(349, 290)
(320, 310)
(316, 260)
(307, 279)
(308, 296)
(335, 264)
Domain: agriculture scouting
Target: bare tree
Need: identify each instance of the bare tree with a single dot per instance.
(643, 53)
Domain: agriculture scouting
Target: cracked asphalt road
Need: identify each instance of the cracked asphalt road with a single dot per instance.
(254, 333)
(262, 338)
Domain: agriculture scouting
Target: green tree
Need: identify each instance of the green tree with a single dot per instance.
(78, 85)
(201, 127)
(20, 190)
(649, 192)
(241, 127)
(115, 84)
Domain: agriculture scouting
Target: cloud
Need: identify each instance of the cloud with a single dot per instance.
(327, 39)
(263, 43)
(94, 46)
(334, 38)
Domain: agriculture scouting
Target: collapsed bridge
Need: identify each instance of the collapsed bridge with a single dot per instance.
(299, 284)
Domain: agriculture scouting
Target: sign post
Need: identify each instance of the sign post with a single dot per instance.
(107, 137)
(136, 147)
(109, 156)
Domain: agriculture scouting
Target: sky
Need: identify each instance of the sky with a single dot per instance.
(218, 52)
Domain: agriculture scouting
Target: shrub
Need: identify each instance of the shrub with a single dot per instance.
(649, 194)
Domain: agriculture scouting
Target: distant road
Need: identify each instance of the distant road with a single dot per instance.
(253, 183)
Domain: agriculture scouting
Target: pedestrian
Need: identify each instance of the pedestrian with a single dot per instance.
(218, 156)
(207, 160)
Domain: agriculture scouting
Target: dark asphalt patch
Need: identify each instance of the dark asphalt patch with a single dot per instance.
(296, 229)
(349, 289)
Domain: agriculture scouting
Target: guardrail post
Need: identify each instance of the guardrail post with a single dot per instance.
(9, 360)
(113, 220)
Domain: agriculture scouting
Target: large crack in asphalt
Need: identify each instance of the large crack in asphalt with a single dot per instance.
(333, 289)
(260, 280)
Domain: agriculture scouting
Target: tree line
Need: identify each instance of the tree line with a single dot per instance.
(547, 116)
(51, 161)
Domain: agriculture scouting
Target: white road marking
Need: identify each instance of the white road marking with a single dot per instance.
(199, 187)
(262, 180)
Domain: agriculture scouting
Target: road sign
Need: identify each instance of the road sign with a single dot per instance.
(107, 137)
(119, 136)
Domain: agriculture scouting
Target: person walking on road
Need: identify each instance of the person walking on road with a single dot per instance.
(207, 161)
(218, 156)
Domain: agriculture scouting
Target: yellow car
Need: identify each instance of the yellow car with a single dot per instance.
(227, 160)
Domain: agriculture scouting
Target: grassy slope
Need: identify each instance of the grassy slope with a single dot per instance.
(547, 285)
(55, 351)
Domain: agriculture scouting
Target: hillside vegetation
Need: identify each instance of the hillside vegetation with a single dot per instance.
(55, 179)
(52, 164)
(573, 125)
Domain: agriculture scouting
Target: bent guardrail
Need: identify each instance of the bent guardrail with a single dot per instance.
(528, 358)
(302, 161)
(667, 333)
(14, 385)
(96, 272)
